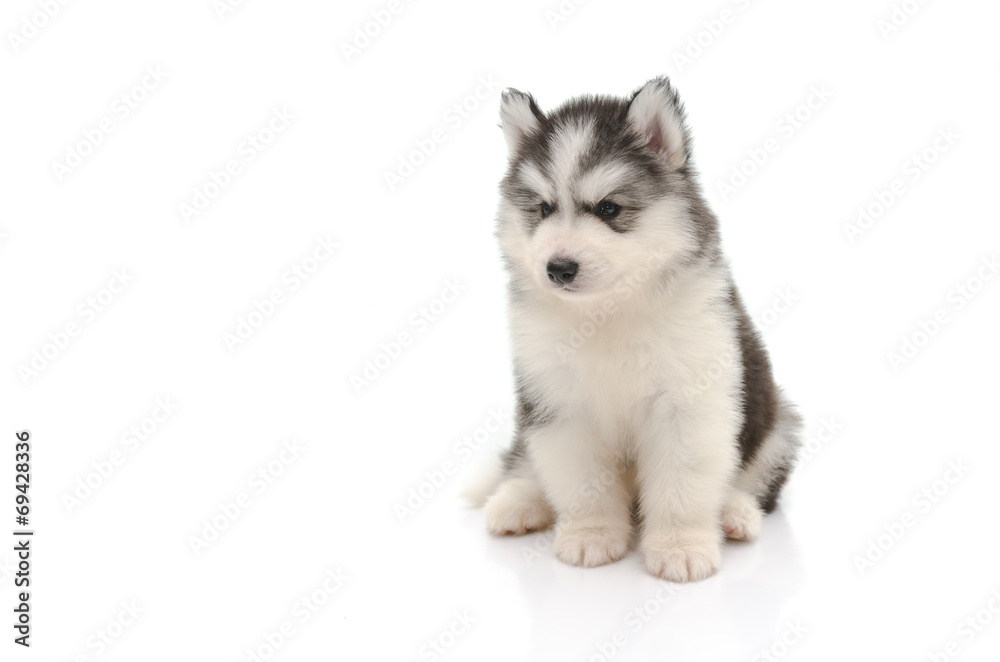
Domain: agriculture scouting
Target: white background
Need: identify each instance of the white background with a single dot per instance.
(799, 592)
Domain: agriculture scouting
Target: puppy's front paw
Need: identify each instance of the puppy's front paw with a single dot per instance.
(682, 555)
(591, 543)
(518, 507)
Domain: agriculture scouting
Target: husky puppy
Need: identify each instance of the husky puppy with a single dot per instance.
(644, 393)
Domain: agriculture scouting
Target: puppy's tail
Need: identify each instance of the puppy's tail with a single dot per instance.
(482, 480)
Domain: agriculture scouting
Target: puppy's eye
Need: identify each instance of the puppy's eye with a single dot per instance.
(546, 209)
(608, 209)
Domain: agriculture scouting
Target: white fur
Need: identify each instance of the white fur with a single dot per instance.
(483, 480)
(610, 262)
(602, 181)
(621, 395)
(534, 178)
(622, 420)
(775, 450)
(657, 118)
(516, 118)
(741, 516)
(519, 506)
(569, 145)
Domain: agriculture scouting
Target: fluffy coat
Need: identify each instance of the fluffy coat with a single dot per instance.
(644, 393)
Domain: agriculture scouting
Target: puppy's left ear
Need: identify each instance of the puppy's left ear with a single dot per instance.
(656, 112)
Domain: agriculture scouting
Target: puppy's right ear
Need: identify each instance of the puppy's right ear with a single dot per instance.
(519, 117)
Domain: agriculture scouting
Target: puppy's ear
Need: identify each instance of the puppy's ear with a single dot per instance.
(519, 117)
(657, 114)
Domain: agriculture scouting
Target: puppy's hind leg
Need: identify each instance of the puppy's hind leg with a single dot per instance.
(741, 516)
(765, 474)
(519, 505)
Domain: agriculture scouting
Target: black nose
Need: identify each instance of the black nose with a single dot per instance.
(561, 271)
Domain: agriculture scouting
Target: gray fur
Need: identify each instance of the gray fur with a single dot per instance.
(615, 140)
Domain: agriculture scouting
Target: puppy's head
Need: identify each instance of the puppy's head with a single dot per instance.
(597, 191)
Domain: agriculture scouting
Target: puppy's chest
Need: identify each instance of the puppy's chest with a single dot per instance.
(616, 366)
